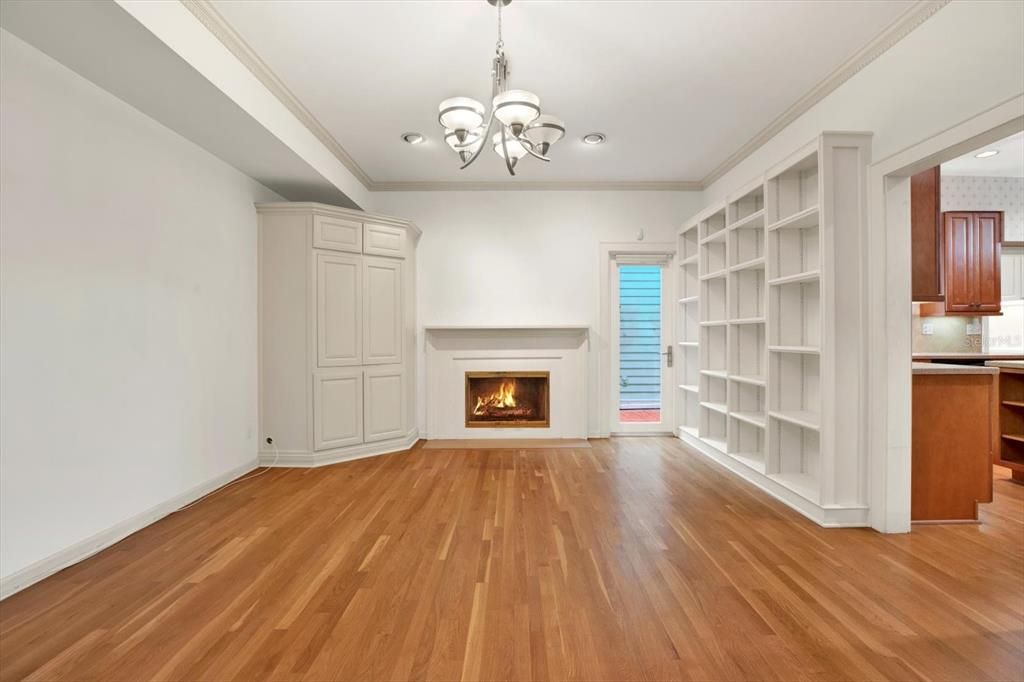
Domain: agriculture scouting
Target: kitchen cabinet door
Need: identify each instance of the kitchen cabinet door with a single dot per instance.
(971, 241)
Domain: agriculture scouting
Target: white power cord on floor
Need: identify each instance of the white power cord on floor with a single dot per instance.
(228, 485)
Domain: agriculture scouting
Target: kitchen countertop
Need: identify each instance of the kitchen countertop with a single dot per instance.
(939, 368)
(1006, 364)
(965, 356)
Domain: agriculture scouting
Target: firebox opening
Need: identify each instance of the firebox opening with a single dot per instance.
(507, 399)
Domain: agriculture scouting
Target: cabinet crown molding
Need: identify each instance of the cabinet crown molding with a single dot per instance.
(292, 207)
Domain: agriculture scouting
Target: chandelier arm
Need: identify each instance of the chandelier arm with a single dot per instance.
(535, 154)
(504, 149)
(528, 146)
(487, 132)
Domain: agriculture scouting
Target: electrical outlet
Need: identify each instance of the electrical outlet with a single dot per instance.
(973, 328)
(928, 328)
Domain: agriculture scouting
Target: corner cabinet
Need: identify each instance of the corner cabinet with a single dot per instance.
(337, 333)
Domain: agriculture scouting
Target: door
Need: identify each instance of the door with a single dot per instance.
(337, 408)
(384, 403)
(338, 310)
(641, 331)
(382, 311)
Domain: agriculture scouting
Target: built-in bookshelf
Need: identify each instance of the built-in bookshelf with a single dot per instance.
(688, 345)
(778, 336)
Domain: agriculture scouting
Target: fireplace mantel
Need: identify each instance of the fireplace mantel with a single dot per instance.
(452, 350)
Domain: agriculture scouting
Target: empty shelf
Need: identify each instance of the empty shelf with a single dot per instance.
(715, 407)
(712, 275)
(752, 264)
(715, 236)
(1014, 403)
(753, 221)
(714, 323)
(689, 344)
(754, 418)
(717, 373)
(809, 276)
(811, 350)
(1017, 437)
(752, 380)
(692, 388)
(689, 299)
(754, 460)
(802, 418)
(748, 320)
(688, 430)
(802, 484)
(689, 259)
(716, 443)
(798, 221)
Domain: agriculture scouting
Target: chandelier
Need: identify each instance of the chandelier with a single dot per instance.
(524, 130)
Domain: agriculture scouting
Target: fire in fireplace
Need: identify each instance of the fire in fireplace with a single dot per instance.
(507, 399)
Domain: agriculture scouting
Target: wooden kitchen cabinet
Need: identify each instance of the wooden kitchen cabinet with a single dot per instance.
(971, 244)
(926, 235)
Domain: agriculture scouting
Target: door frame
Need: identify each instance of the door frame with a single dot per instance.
(609, 251)
(888, 304)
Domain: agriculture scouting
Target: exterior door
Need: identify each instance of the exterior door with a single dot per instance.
(643, 342)
(338, 310)
(382, 311)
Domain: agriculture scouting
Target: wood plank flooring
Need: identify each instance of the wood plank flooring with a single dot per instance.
(633, 560)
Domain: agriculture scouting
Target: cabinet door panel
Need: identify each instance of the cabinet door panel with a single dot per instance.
(337, 409)
(338, 310)
(383, 240)
(337, 234)
(961, 273)
(384, 403)
(989, 230)
(382, 311)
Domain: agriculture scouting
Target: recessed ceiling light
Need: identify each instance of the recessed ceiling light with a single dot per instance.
(594, 138)
(987, 154)
(413, 138)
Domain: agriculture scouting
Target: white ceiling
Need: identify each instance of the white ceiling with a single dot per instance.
(1008, 163)
(676, 86)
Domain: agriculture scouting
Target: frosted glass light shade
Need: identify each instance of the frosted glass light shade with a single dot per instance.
(546, 130)
(516, 107)
(516, 150)
(460, 113)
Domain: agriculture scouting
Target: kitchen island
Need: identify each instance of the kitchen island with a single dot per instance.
(955, 435)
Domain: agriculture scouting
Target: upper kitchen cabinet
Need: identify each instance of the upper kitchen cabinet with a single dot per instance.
(926, 234)
(971, 244)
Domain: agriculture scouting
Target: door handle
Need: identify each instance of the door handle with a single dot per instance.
(668, 355)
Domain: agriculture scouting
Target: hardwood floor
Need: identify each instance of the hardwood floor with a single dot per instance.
(632, 560)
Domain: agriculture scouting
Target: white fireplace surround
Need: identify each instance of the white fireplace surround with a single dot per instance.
(451, 351)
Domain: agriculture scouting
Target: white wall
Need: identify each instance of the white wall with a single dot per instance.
(524, 257)
(127, 311)
(966, 59)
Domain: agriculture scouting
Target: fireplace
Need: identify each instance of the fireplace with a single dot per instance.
(507, 400)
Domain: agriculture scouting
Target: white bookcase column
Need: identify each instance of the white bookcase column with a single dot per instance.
(780, 344)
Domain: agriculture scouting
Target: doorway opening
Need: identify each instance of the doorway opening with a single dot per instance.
(640, 323)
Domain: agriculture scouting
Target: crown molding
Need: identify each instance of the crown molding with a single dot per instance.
(913, 17)
(909, 20)
(216, 24)
(542, 185)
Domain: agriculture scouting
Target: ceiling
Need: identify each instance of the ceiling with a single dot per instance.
(1008, 163)
(677, 87)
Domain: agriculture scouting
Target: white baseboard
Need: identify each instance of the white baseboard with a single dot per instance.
(829, 516)
(298, 458)
(44, 568)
